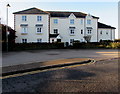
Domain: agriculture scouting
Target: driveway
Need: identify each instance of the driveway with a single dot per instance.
(26, 57)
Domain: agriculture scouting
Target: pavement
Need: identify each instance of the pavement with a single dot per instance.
(24, 60)
(22, 68)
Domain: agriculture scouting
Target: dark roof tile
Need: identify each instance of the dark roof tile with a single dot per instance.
(101, 25)
(31, 11)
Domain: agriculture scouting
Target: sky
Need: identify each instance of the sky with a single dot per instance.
(106, 10)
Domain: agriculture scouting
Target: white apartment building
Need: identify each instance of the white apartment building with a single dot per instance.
(35, 25)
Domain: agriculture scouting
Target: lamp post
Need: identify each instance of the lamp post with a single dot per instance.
(7, 6)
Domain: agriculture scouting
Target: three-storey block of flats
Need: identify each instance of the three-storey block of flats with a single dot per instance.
(36, 25)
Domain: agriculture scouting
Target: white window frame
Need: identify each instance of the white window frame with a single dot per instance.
(72, 21)
(39, 31)
(24, 30)
(39, 40)
(39, 18)
(72, 31)
(24, 40)
(55, 21)
(89, 31)
(24, 18)
(89, 22)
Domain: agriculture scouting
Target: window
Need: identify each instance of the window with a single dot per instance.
(39, 40)
(71, 21)
(55, 31)
(38, 30)
(72, 31)
(81, 31)
(71, 40)
(101, 32)
(81, 21)
(24, 18)
(55, 21)
(24, 40)
(88, 21)
(89, 32)
(106, 33)
(39, 18)
(24, 29)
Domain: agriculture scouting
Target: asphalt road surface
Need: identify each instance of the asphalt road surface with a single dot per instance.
(26, 57)
(101, 76)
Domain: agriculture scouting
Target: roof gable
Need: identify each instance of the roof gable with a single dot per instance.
(31, 11)
(72, 15)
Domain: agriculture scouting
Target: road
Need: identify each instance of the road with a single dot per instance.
(26, 57)
(101, 76)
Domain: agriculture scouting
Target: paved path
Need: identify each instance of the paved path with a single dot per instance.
(27, 57)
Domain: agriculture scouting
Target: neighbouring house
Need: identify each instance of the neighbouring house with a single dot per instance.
(36, 25)
(11, 37)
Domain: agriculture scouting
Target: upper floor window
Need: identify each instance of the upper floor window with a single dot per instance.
(71, 21)
(55, 31)
(81, 21)
(88, 21)
(24, 29)
(39, 18)
(81, 31)
(24, 18)
(72, 32)
(55, 21)
(89, 32)
(38, 30)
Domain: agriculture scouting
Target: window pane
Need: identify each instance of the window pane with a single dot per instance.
(24, 18)
(39, 18)
(71, 21)
(55, 21)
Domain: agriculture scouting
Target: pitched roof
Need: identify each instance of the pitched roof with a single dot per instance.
(31, 11)
(52, 13)
(67, 14)
(101, 25)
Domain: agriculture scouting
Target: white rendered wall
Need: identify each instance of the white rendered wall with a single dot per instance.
(64, 24)
(104, 36)
(94, 25)
(32, 36)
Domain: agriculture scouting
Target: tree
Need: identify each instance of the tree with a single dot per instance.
(11, 37)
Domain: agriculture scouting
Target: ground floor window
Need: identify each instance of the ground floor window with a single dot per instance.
(24, 40)
(39, 40)
(71, 40)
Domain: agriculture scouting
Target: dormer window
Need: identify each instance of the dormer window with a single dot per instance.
(71, 21)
